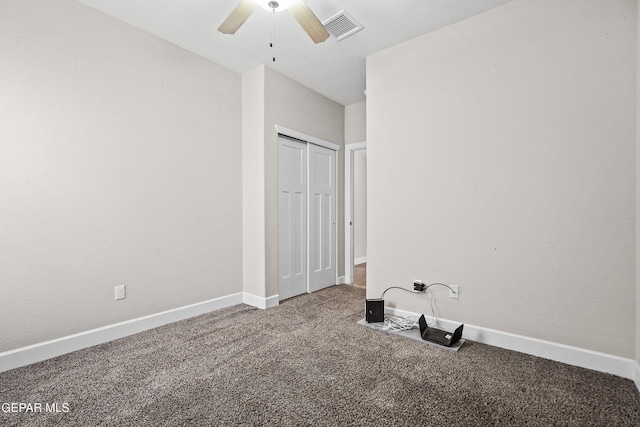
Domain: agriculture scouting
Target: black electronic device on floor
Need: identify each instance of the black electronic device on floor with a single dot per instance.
(439, 336)
(374, 310)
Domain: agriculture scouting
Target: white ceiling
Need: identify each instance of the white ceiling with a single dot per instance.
(334, 68)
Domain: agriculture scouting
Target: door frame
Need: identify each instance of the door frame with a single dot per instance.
(303, 137)
(349, 151)
(306, 138)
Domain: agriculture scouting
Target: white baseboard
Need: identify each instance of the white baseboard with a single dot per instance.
(46, 350)
(341, 280)
(261, 302)
(359, 260)
(602, 362)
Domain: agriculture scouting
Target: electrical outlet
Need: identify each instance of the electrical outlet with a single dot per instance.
(120, 292)
(453, 292)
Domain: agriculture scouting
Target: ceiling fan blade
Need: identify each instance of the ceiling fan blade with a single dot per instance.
(308, 21)
(237, 17)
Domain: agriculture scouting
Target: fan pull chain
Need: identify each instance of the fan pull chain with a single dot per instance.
(273, 34)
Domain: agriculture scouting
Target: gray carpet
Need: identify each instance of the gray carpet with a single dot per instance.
(306, 362)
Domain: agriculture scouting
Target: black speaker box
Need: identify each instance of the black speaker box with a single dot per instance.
(374, 310)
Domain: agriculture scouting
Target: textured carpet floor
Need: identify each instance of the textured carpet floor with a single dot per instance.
(306, 362)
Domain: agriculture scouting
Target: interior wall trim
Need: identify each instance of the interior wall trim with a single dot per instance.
(48, 349)
(575, 356)
(359, 260)
(306, 138)
(261, 302)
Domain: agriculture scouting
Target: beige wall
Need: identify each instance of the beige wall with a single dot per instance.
(501, 157)
(355, 123)
(253, 196)
(120, 160)
(637, 254)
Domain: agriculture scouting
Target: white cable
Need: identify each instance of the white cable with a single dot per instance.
(396, 323)
(430, 298)
(439, 284)
(402, 289)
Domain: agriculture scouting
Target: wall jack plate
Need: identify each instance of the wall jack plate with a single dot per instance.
(121, 292)
(453, 292)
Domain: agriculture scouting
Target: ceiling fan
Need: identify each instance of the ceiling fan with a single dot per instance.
(298, 8)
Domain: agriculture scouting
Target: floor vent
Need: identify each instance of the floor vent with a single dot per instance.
(342, 25)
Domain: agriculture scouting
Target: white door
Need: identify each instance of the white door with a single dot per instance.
(292, 217)
(322, 217)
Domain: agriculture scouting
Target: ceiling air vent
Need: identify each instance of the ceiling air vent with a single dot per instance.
(342, 25)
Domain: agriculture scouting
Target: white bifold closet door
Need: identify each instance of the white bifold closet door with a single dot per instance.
(306, 217)
(322, 217)
(292, 217)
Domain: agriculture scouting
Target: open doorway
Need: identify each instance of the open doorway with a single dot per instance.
(355, 213)
(360, 275)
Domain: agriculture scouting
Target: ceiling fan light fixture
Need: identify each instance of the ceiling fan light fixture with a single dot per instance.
(273, 5)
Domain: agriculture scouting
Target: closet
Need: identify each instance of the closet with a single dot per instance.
(306, 216)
